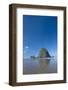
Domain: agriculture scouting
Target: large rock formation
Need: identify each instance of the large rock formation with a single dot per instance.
(43, 53)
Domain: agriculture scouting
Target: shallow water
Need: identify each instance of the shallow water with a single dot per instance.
(39, 66)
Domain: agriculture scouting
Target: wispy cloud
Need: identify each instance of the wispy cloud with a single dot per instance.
(26, 47)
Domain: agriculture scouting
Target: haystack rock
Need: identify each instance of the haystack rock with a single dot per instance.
(44, 53)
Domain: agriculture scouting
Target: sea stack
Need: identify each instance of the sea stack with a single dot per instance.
(44, 53)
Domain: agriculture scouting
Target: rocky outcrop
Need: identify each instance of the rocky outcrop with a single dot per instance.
(43, 53)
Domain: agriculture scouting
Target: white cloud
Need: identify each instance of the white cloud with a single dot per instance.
(26, 47)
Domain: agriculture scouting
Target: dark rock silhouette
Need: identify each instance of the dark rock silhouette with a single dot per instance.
(32, 57)
(44, 53)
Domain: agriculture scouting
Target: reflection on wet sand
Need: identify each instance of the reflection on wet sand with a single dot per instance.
(39, 66)
(43, 64)
(44, 61)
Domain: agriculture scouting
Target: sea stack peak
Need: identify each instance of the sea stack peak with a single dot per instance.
(43, 53)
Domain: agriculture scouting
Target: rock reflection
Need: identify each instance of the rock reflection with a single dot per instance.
(43, 64)
(39, 66)
(44, 61)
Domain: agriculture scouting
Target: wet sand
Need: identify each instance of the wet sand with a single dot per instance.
(39, 66)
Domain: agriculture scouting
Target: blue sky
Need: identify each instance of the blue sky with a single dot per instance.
(39, 32)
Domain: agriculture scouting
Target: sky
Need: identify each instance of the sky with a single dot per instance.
(39, 32)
